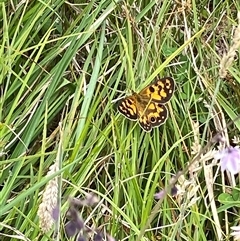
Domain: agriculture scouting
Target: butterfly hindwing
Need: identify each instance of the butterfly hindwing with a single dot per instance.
(159, 91)
(154, 116)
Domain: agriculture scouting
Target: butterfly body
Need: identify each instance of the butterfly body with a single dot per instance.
(147, 106)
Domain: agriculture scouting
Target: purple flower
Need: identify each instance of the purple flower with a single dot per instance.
(70, 229)
(81, 238)
(160, 195)
(229, 159)
(75, 224)
(98, 237)
(174, 191)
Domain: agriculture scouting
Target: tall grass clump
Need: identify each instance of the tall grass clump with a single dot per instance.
(72, 167)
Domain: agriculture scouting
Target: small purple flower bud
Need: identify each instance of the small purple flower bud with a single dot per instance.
(81, 238)
(79, 223)
(72, 213)
(174, 191)
(91, 199)
(70, 229)
(219, 138)
(98, 237)
(160, 195)
(56, 213)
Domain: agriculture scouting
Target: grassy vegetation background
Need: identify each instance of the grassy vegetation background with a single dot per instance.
(63, 67)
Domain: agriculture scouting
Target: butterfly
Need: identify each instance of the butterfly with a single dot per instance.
(148, 106)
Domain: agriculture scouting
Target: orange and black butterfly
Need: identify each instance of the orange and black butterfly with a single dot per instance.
(148, 106)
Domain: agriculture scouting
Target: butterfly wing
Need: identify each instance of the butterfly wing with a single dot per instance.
(159, 91)
(127, 106)
(154, 115)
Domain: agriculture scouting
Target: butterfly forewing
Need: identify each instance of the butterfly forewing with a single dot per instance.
(128, 107)
(159, 91)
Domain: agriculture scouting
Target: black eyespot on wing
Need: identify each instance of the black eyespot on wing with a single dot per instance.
(158, 117)
(151, 89)
(153, 119)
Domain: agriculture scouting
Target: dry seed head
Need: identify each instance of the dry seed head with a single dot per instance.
(49, 201)
(228, 57)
